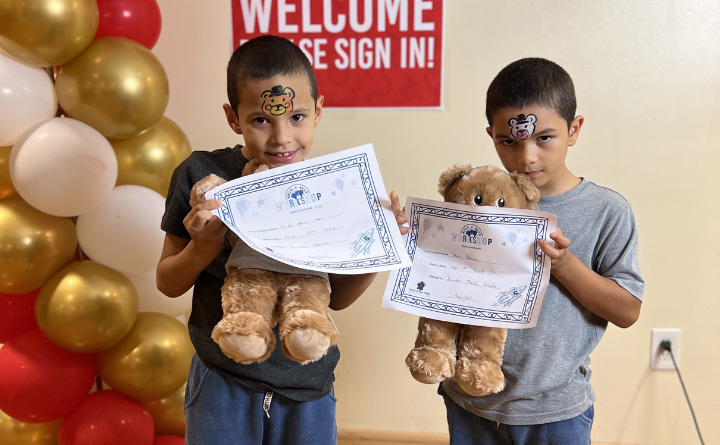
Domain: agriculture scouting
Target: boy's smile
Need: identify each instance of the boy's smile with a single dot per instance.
(534, 141)
(277, 117)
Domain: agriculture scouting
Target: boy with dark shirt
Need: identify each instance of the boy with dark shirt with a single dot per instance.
(277, 401)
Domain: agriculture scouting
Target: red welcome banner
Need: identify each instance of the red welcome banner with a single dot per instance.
(365, 53)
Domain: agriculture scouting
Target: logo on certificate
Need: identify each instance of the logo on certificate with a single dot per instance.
(298, 195)
(472, 234)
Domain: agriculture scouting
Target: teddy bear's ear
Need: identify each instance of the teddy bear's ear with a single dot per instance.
(449, 176)
(532, 194)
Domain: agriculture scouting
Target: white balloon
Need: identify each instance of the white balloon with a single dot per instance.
(152, 300)
(124, 232)
(27, 97)
(63, 167)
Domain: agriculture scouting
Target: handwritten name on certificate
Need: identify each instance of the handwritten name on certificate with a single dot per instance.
(329, 214)
(473, 265)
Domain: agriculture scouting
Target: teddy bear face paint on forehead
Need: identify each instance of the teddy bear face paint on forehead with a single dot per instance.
(523, 126)
(278, 100)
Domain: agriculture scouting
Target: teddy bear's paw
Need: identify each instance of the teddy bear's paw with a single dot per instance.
(197, 193)
(244, 349)
(306, 335)
(306, 345)
(479, 378)
(244, 337)
(430, 365)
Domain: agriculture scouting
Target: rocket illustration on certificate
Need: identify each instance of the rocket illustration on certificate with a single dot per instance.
(473, 265)
(329, 214)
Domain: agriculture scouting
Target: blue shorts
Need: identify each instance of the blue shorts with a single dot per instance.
(468, 429)
(221, 411)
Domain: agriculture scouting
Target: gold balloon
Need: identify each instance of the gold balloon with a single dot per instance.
(87, 307)
(150, 159)
(116, 86)
(15, 432)
(6, 187)
(33, 246)
(169, 414)
(47, 32)
(152, 361)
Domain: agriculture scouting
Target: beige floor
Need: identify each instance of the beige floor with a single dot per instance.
(366, 437)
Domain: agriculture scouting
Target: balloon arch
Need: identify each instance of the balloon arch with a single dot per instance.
(91, 350)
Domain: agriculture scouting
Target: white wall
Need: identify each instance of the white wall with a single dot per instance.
(647, 76)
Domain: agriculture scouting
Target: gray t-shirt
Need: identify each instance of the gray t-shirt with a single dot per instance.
(547, 374)
(245, 257)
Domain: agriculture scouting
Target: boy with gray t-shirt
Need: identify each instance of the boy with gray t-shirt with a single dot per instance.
(547, 397)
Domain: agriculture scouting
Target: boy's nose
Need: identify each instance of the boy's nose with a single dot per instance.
(527, 155)
(281, 135)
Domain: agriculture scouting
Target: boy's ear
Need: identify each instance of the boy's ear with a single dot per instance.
(318, 109)
(489, 132)
(232, 119)
(574, 130)
(451, 175)
(532, 194)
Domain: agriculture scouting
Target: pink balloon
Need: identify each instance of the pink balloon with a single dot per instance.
(17, 314)
(137, 20)
(168, 440)
(108, 418)
(42, 382)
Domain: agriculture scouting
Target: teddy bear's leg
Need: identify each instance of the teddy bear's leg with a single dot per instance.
(480, 355)
(306, 333)
(248, 297)
(433, 358)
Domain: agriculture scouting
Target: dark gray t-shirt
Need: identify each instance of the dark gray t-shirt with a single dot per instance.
(278, 373)
(547, 374)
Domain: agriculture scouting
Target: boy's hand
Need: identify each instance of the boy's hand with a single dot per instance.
(206, 230)
(559, 255)
(400, 217)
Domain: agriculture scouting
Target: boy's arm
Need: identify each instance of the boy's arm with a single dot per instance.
(600, 295)
(348, 288)
(182, 260)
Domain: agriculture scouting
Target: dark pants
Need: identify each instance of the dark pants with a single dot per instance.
(221, 411)
(468, 429)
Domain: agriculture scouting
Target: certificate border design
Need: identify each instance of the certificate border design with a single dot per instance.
(540, 224)
(360, 161)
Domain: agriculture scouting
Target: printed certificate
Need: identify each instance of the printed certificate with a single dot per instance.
(329, 214)
(473, 265)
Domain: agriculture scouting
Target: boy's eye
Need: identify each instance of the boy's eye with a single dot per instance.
(507, 142)
(297, 117)
(477, 200)
(500, 202)
(259, 120)
(544, 138)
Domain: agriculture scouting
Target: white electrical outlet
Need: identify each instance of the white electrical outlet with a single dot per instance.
(659, 357)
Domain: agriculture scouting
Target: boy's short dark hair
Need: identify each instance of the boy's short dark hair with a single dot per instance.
(265, 57)
(532, 81)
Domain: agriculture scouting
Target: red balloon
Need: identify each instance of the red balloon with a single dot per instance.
(137, 20)
(169, 440)
(108, 418)
(17, 314)
(42, 382)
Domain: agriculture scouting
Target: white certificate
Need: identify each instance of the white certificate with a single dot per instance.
(473, 265)
(329, 214)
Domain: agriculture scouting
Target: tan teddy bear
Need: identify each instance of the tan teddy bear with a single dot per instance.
(255, 300)
(475, 359)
